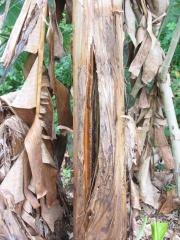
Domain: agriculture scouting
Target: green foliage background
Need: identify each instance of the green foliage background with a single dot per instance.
(165, 38)
(15, 78)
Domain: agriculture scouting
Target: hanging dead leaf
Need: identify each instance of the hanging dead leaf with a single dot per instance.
(14, 36)
(27, 179)
(17, 131)
(24, 25)
(63, 105)
(58, 43)
(9, 97)
(39, 170)
(4, 231)
(25, 101)
(13, 181)
(143, 113)
(143, 99)
(8, 199)
(141, 137)
(162, 178)
(160, 122)
(42, 227)
(54, 37)
(130, 21)
(140, 57)
(50, 215)
(150, 29)
(152, 63)
(170, 204)
(46, 113)
(28, 64)
(33, 39)
(148, 193)
(37, 238)
(47, 151)
(34, 172)
(163, 146)
(50, 171)
(29, 220)
(136, 88)
(33, 147)
(5, 151)
(141, 32)
(159, 7)
(137, 11)
(14, 227)
(26, 98)
(50, 183)
(10, 226)
(27, 206)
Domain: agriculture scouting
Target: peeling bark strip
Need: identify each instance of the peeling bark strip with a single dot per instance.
(100, 178)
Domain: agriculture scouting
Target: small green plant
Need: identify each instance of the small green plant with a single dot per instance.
(169, 187)
(159, 167)
(67, 174)
(159, 230)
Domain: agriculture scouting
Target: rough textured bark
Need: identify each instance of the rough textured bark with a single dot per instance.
(99, 167)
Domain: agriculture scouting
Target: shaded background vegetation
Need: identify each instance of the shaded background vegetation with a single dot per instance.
(165, 37)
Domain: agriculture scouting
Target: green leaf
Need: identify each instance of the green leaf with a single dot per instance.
(169, 187)
(159, 230)
(13, 13)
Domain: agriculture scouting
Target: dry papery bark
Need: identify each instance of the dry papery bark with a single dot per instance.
(29, 200)
(146, 117)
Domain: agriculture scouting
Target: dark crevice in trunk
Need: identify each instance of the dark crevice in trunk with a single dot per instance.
(95, 126)
(92, 135)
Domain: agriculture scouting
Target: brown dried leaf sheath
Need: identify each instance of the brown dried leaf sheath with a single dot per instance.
(34, 171)
(63, 105)
(60, 91)
(163, 146)
(13, 182)
(24, 26)
(33, 148)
